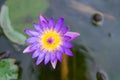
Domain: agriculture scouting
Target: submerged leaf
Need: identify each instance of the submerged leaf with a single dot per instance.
(8, 70)
(8, 30)
(23, 13)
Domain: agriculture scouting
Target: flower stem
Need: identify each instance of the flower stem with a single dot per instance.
(64, 68)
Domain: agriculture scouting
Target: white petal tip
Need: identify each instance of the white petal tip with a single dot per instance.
(54, 64)
(27, 50)
(42, 18)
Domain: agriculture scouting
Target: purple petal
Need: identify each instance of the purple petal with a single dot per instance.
(73, 35)
(67, 44)
(36, 53)
(39, 60)
(61, 49)
(54, 63)
(51, 23)
(38, 27)
(66, 38)
(59, 24)
(35, 46)
(31, 32)
(32, 39)
(68, 52)
(41, 57)
(42, 18)
(47, 58)
(52, 56)
(28, 50)
(64, 29)
(59, 56)
(44, 25)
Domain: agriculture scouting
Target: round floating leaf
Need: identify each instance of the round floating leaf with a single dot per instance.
(23, 13)
(11, 34)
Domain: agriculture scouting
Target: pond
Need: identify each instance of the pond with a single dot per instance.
(96, 50)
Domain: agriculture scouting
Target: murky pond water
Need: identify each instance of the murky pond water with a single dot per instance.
(97, 47)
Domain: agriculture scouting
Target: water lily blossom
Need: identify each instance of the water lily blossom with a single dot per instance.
(49, 41)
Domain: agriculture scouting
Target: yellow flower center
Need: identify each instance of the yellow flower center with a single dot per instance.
(50, 40)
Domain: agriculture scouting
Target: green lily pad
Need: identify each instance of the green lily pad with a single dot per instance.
(8, 70)
(8, 30)
(23, 13)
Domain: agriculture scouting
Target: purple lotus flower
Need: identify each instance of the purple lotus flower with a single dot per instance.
(49, 41)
